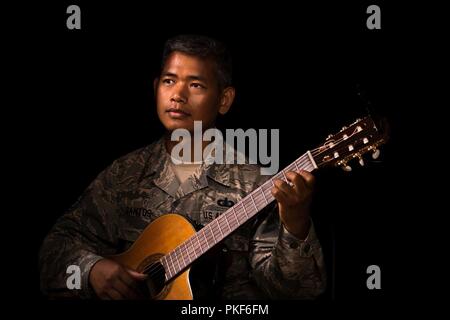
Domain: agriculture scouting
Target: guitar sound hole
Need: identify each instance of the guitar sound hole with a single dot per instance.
(155, 282)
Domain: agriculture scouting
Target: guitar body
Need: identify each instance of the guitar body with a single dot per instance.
(159, 238)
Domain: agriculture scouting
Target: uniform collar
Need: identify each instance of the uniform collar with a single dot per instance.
(165, 179)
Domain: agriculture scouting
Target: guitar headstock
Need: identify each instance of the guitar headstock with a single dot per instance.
(352, 142)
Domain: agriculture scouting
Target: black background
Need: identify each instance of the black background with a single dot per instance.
(87, 99)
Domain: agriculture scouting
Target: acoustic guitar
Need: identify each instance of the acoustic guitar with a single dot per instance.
(169, 245)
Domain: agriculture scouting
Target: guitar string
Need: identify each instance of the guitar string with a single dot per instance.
(300, 161)
(258, 201)
(155, 268)
(175, 255)
(247, 198)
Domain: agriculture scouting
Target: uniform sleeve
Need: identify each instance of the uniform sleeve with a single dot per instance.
(81, 237)
(283, 266)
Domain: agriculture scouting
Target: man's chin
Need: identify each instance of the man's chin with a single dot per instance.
(172, 125)
(187, 124)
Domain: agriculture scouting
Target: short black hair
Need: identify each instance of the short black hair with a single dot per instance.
(204, 47)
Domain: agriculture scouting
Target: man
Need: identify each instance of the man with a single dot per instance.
(276, 255)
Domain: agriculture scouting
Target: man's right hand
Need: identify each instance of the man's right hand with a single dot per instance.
(112, 281)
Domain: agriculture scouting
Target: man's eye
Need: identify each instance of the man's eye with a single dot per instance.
(168, 81)
(197, 85)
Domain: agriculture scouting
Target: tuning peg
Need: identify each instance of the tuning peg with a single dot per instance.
(346, 168)
(375, 154)
(361, 161)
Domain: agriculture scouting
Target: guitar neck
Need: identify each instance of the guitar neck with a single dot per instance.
(218, 229)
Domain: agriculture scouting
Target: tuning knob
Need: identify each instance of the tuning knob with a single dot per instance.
(346, 168)
(375, 154)
(361, 161)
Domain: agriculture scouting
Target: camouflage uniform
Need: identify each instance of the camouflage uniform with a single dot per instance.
(264, 259)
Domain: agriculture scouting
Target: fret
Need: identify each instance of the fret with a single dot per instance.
(299, 163)
(220, 230)
(196, 237)
(173, 266)
(311, 159)
(296, 167)
(245, 210)
(181, 257)
(304, 162)
(254, 204)
(167, 274)
(271, 185)
(290, 167)
(282, 171)
(226, 220)
(176, 258)
(264, 196)
(207, 242)
(191, 245)
(212, 233)
(207, 237)
(184, 255)
(234, 212)
(166, 267)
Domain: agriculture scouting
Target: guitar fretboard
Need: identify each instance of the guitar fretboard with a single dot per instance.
(185, 254)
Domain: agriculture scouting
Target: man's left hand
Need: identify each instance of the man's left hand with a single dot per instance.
(294, 201)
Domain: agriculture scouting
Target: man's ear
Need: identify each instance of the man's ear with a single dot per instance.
(226, 100)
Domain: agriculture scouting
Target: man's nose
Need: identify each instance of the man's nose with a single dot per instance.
(179, 94)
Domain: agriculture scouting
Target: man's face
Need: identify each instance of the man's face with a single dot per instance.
(187, 91)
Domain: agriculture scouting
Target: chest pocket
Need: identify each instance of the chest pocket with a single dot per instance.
(215, 205)
(209, 212)
(139, 207)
